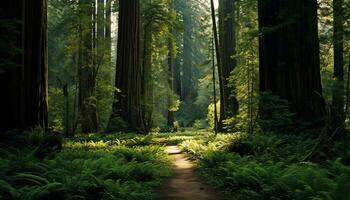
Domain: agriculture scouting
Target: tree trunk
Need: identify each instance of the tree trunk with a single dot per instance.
(23, 78)
(188, 91)
(171, 62)
(178, 69)
(108, 29)
(87, 68)
(127, 112)
(217, 51)
(228, 103)
(289, 56)
(101, 49)
(147, 79)
(338, 117)
(178, 65)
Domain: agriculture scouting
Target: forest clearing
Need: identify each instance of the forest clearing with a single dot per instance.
(175, 100)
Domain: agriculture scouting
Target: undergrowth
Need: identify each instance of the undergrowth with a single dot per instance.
(269, 167)
(118, 166)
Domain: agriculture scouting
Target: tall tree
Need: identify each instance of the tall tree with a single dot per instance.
(338, 88)
(171, 62)
(150, 16)
(227, 37)
(23, 77)
(188, 90)
(87, 70)
(101, 48)
(108, 27)
(127, 109)
(177, 71)
(289, 56)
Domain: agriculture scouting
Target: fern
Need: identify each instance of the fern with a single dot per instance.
(31, 178)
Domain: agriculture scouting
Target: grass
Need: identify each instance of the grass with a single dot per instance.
(178, 137)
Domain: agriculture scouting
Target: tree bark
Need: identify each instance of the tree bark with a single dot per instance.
(338, 117)
(127, 107)
(108, 28)
(147, 78)
(24, 85)
(227, 33)
(187, 88)
(171, 62)
(289, 56)
(87, 68)
(177, 81)
(101, 49)
(217, 52)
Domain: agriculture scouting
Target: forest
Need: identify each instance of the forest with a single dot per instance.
(175, 100)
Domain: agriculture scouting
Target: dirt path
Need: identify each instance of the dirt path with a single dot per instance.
(184, 184)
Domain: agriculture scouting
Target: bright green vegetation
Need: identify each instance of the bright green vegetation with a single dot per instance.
(132, 166)
(270, 167)
(116, 166)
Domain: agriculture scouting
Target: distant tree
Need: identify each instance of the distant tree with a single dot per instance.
(87, 69)
(171, 62)
(149, 18)
(23, 78)
(127, 110)
(338, 72)
(289, 56)
(188, 83)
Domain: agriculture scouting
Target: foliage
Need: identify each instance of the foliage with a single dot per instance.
(268, 167)
(245, 76)
(66, 25)
(275, 115)
(128, 168)
(211, 114)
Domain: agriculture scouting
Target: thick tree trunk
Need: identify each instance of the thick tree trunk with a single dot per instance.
(228, 101)
(87, 68)
(24, 84)
(289, 56)
(127, 109)
(338, 116)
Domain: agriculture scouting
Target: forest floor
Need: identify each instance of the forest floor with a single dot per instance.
(169, 166)
(184, 184)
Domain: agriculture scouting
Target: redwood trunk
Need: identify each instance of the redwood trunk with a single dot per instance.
(87, 68)
(171, 62)
(338, 116)
(289, 56)
(127, 104)
(227, 32)
(24, 84)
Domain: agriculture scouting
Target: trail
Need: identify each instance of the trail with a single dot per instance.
(184, 184)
